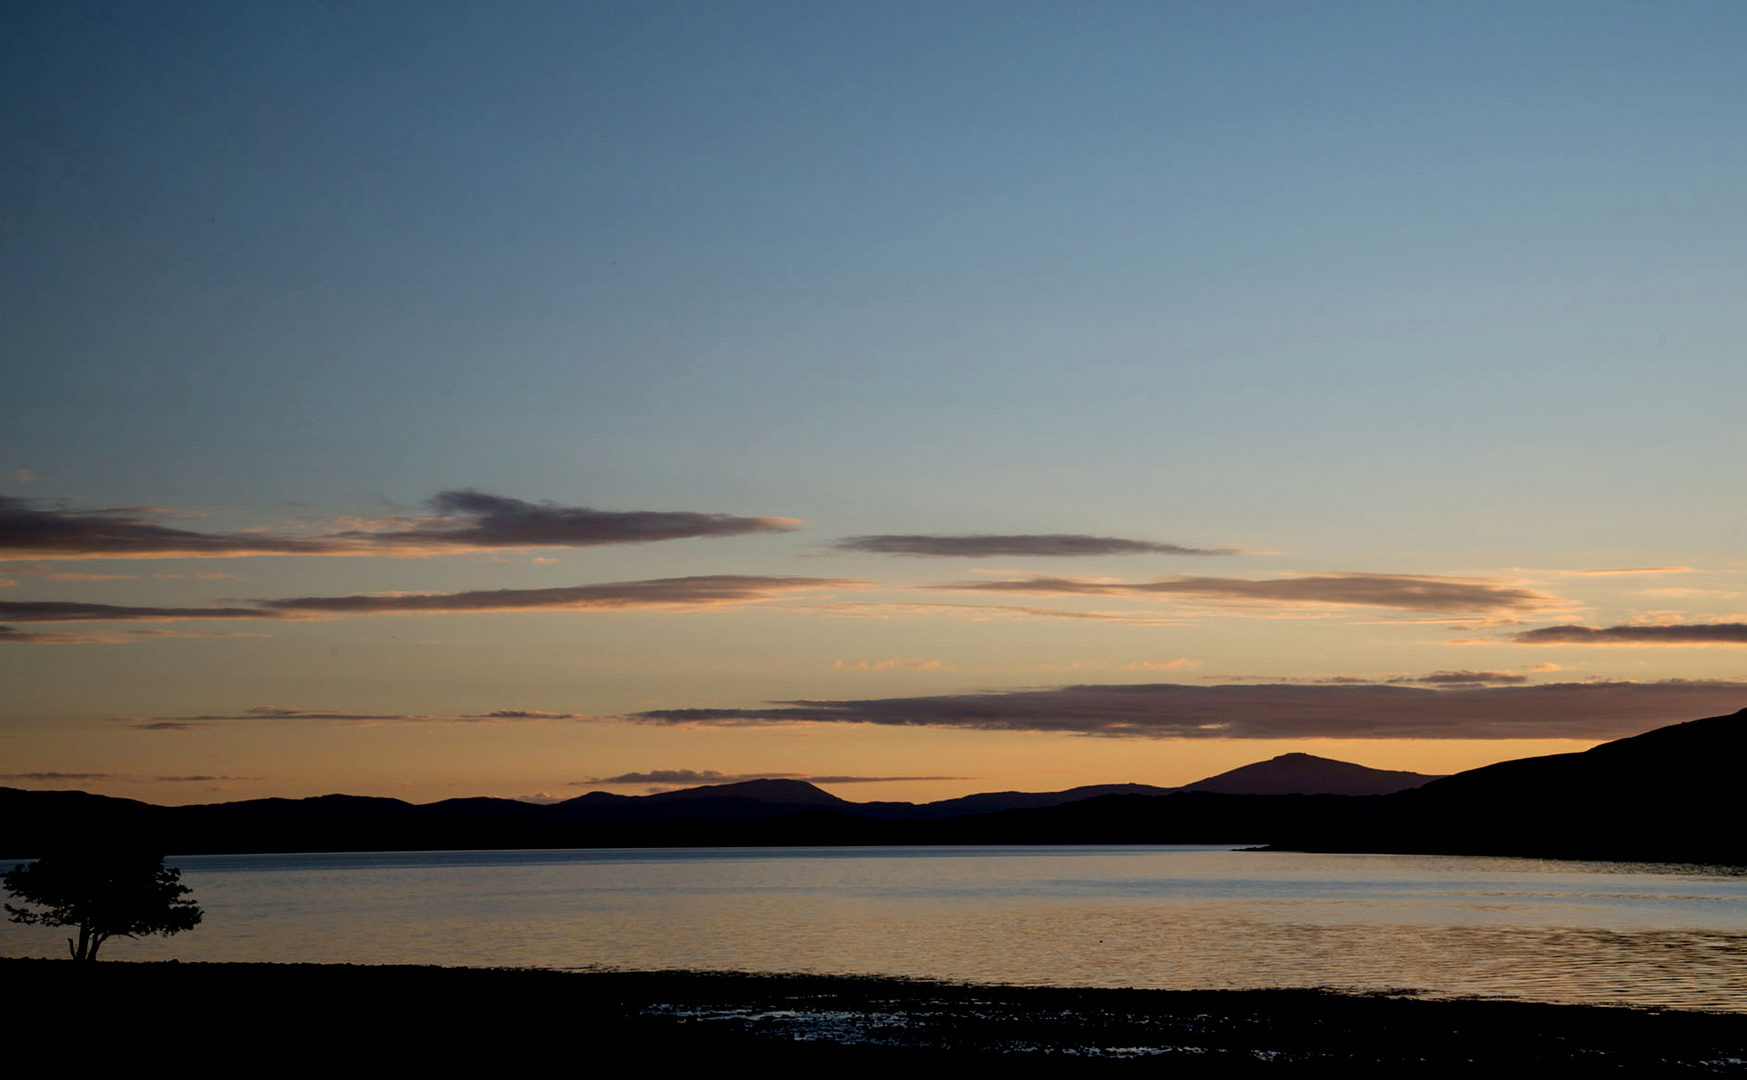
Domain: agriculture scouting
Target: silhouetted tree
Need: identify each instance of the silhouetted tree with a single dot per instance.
(104, 894)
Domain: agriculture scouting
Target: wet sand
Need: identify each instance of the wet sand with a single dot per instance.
(345, 1016)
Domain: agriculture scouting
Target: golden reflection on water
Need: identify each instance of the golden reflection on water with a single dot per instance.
(1147, 917)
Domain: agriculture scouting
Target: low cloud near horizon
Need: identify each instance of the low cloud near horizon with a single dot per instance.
(712, 776)
(1589, 710)
(1042, 545)
(1441, 677)
(278, 712)
(135, 778)
(1647, 634)
(461, 521)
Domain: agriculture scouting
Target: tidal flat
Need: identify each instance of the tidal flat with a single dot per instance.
(327, 1015)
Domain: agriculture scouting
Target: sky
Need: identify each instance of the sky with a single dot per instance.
(438, 400)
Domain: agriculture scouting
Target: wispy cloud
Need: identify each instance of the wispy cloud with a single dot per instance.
(461, 521)
(200, 778)
(1469, 678)
(1647, 634)
(1406, 592)
(48, 572)
(61, 777)
(985, 612)
(703, 591)
(105, 637)
(1592, 710)
(279, 712)
(136, 778)
(1042, 545)
(72, 611)
(890, 663)
(1626, 571)
(1444, 678)
(14, 636)
(685, 592)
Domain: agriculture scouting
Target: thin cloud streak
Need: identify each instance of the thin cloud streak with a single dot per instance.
(1628, 571)
(279, 712)
(62, 777)
(1689, 634)
(1595, 710)
(703, 591)
(1461, 678)
(14, 636)
(1044, 545)
(1406, 592)
(983, 612)
(133, 778)
(463, 521)
(684, 592)
(1469, 678)
(69, 611)
(105, 637)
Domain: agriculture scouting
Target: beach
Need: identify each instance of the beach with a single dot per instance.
(115, 1012)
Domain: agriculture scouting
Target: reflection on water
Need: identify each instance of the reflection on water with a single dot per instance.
(1148, 917)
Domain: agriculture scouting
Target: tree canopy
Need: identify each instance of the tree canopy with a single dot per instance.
(104, 894)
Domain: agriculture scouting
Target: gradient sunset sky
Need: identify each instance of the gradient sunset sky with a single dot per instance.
(519, 399)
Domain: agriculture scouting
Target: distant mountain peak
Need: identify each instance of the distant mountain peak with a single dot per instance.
(789, 792)
(1306, 774)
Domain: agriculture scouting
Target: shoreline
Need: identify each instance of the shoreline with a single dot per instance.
(486, 1014)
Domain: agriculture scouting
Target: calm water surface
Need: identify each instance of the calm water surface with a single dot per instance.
(1169, 917)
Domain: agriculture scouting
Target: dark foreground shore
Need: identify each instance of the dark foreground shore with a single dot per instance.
(339, 1016)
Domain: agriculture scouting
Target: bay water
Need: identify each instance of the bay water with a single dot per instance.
(1161, 917)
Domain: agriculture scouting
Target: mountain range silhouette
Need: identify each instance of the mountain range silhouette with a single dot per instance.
(1666, 795)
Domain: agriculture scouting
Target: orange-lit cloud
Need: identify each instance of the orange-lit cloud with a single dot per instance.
(462, 521)
(1407, 592)
(1594, 710)
(1045, 545)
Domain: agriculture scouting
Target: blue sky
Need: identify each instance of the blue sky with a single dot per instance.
(1364, 288)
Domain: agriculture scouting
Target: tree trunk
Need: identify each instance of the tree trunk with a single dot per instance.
(84, 950)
